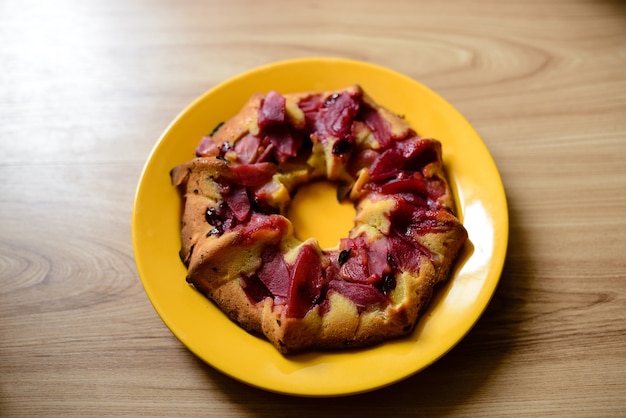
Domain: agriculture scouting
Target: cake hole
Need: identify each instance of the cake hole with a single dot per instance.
(316, 213)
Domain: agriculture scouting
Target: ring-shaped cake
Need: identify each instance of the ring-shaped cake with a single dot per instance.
(241, 250)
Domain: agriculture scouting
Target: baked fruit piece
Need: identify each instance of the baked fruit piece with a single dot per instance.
(240, 249)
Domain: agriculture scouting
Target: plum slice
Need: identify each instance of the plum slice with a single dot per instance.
(305, 281)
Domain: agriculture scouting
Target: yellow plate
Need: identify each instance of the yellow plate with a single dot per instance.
(222, 344)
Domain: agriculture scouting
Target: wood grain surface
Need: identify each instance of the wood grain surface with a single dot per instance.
(87, 87)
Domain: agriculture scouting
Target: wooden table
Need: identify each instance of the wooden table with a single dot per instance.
(87, 87)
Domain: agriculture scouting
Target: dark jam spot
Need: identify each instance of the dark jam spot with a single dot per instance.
(261, 206)
(391, 261)
(211, 216)
(221, 157)
(214, 217)
(225, 147)
(343, 256)
(388, 283)
(320, 299)
(341, 147)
